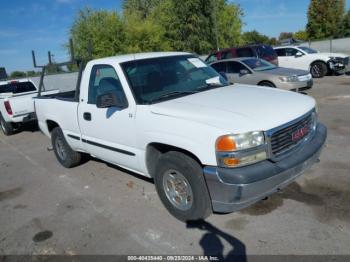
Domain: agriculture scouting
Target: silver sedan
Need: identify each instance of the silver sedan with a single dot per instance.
(254, 71)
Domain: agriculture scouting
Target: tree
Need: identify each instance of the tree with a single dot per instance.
(143, 7)
(17, 74)
(325, 18)
(346, 25)
(301, 35)
(254, 37)
(285, 35)
(31, 73)
(97, 33)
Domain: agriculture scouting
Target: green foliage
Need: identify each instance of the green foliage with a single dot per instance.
(254, 37)
(102, 30)
(285, 35)
(157, 25)
(346, 25)
(32, 73)
(325, 18)
(301, 35)
(18, 74)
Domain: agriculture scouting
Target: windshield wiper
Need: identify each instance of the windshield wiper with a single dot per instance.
(173, 93)
(208, 86)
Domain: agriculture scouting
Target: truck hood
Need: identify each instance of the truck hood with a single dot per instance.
(238, 108)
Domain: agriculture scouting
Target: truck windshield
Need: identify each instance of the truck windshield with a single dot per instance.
(258, 64)
(16, 87)
(164, 78)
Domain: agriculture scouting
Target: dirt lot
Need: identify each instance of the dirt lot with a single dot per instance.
(99, 209)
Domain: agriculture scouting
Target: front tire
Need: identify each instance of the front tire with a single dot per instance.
(318, 70)
(64, 153)
(267, 84)
(181, 187)
(6, 128)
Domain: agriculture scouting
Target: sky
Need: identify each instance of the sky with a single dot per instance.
(43, 25)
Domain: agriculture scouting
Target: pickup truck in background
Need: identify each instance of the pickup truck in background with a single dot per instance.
(208, 145)
(16, 103)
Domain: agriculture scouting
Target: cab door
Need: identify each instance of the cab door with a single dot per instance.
(238, 73)
(283, 59)
(107, 133)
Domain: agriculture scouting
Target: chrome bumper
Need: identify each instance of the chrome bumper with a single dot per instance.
(237, 188)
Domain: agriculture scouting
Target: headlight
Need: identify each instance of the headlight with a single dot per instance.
(288, 78)
(241, 149)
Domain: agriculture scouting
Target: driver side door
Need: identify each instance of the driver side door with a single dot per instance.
(234, 74)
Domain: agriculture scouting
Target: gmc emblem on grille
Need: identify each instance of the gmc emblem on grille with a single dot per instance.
(300, 133)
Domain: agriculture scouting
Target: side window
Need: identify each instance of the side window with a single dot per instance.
(281, 52)
(226, 55)
(291, 51)
(245, 52)
(235, 67)
(219, 67)
(211, 58)
(104, 80)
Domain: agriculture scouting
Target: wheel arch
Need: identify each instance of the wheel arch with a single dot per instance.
(154, 150)
(266, 81)
(51, 125)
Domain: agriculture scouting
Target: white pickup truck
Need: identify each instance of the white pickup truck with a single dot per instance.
(209, 146)
(16, 103)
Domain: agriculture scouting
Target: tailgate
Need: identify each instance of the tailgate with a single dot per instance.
(22, 104)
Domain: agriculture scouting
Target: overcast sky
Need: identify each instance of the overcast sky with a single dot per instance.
(43, 25)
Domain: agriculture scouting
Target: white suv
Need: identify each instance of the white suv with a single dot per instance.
(319, 64)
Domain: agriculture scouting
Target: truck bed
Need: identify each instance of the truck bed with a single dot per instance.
(66, 96)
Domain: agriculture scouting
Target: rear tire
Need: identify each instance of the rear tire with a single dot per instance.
(64, 153)
(181, 187)
(267, 84)
(6, 128)
(318, 70)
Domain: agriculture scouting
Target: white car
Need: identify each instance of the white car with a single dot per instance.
(305, 58)
(208, 145)
(16, 103)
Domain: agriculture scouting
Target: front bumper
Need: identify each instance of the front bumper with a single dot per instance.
(237, 188)
(297, 86)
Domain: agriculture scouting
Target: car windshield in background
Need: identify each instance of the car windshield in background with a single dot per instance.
(17, 87)
(258, 64)
(158, 79)
(308, 50)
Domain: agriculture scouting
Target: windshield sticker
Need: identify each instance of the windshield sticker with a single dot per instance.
(197, 62)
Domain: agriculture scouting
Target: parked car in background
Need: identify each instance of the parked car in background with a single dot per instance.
(208, 145)
(254, 71)
(16, 103)
(265, 52)
(305, 58)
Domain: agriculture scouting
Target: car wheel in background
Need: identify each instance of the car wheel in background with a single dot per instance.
(318, 69)
(266, 83)
(64, 153)
(181, 187)
(6, 128)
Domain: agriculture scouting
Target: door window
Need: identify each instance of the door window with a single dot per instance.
(281, 51)
(235, 67)
(219, 67)
(291, 51)
(245, 52)
(226, 55)
(211, 58)
(104, 80)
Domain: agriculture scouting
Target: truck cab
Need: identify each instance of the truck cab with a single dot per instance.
(208, 145)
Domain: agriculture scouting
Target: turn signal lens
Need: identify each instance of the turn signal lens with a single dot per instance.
(231, 161)
(225, 144)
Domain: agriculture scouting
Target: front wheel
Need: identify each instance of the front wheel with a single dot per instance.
(318, 70)
(6, 128)
(181, 187)
(267, 84)
(64, 153)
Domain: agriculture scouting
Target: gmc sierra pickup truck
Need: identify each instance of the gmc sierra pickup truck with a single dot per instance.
(208, 145)
(16, 103)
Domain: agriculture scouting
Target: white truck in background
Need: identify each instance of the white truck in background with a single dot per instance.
(208, 145)
(16, 103)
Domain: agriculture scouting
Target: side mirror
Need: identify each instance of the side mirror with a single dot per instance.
(299, 54)
(243, 72)
(223, 74)
(110, 100)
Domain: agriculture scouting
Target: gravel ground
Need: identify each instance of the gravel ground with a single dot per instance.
(101, 209)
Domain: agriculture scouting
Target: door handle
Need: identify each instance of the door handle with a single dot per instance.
(87, 116)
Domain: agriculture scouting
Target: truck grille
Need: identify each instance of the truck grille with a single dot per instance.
(346, 61)
(288, 137)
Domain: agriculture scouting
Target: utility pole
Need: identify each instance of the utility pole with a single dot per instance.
(216, 26)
